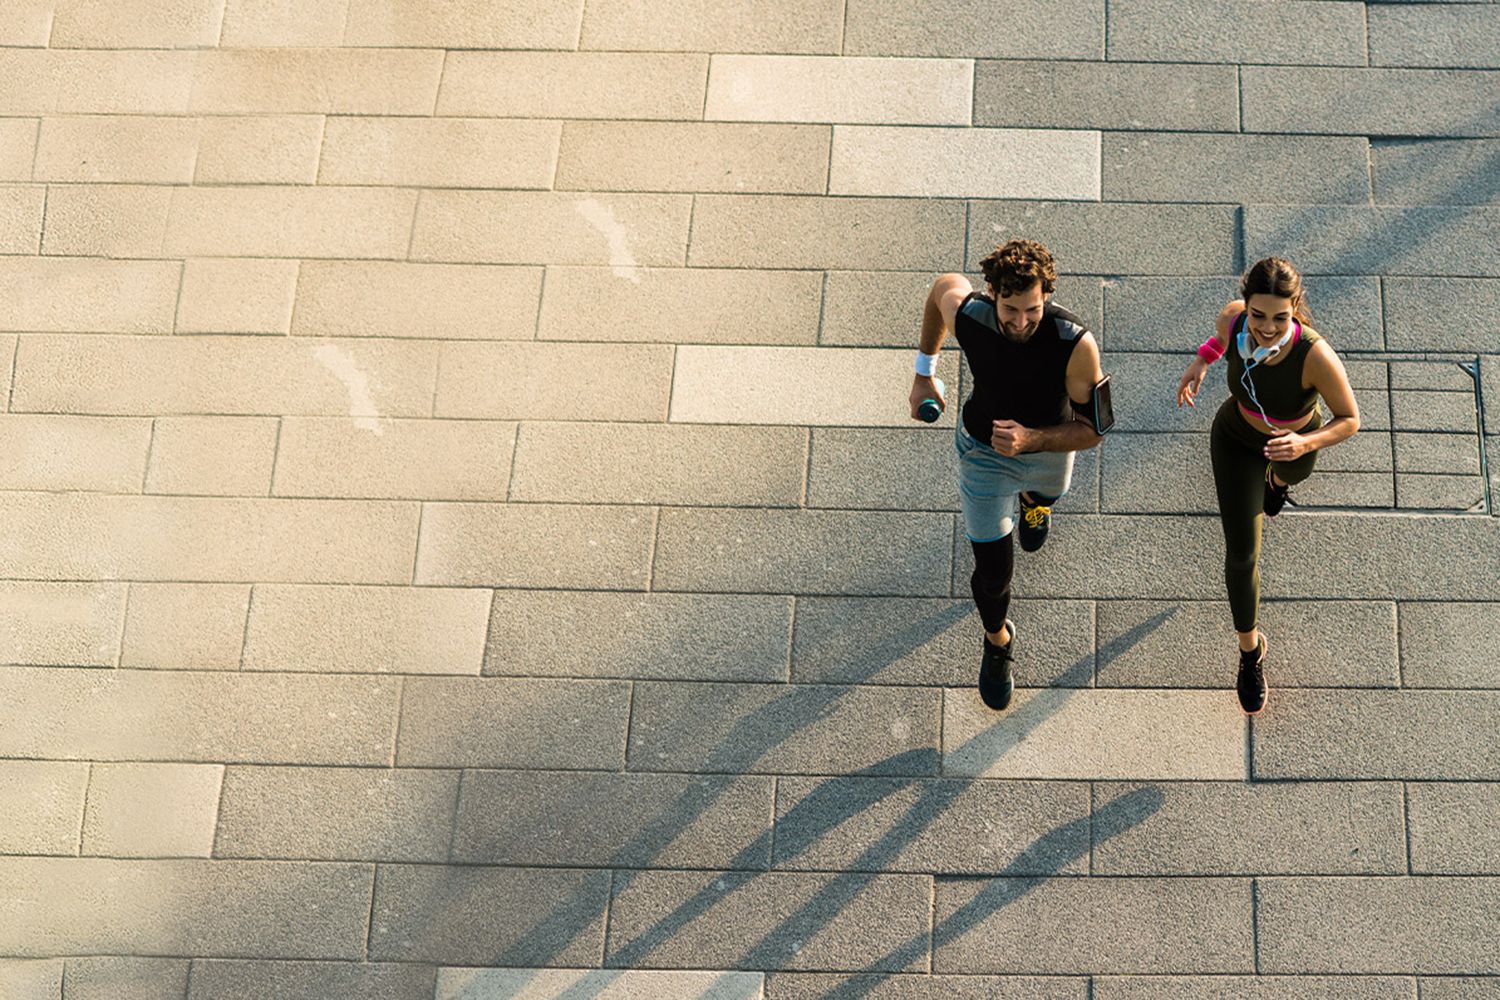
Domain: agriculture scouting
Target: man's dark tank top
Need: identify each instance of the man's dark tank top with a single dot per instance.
(1021, 382)
(1278, 386)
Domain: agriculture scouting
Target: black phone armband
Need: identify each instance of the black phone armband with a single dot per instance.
(1098, 411)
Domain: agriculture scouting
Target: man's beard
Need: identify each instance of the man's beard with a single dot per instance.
(1018, 338)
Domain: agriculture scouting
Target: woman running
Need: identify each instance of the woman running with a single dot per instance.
(1267, 435)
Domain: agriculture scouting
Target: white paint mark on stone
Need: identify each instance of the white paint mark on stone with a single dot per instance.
(900, 729)
(361, 405)
(602, 218)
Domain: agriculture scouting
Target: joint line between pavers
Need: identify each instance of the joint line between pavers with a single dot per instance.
(396, 729)
(245, 631)
(828, 174)
(275, 456)
(370, 913)
(1406, 822)
(931, 922)
(36, 152)
(1255, 922)
(583, 13)
(629, 724)
(416, 555)
(656, 513)
(318, 168)
(807, 473)
(775, 803)
(1091, 827)
(181, 282)
(609, 908)
(416, 211)
(515, 453)
(791, 637)
(83, 817)
(458, 796)
(218, 812)
(124, 618)
(1390, 407)
(1239, 93)
(844, 27)
(541, 300)
(41, 236)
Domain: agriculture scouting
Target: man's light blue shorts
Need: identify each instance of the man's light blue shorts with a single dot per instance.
(989, 481)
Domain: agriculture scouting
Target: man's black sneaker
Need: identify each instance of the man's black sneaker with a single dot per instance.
(1032, 528)
(1276, 497)
(1251, 683)
(995, 683)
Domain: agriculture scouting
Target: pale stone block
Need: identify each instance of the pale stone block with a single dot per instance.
(152, 810)
(7, 369)
(440, 152)
(17, 147)
(283, 23)
(333, 81)
(693, 156)
(625, 231)
(60, 624)
(108, 220)
(389, 299)
(236, 296)
(21, 219)
(597, 984)
(185, 626)
(87, 295)
(691, 305)
(535, 545)
(1090, 733)
(610, 85)
(554, 381)
(258, 149)
(854, 89)
(157, 24)
(829, 386)
(212, 456)
(31, 979)
(404, 630)
(41, 808)
(396, 459)
(965, 163)
(64, 452)
(27, 23)
(703, 25)
(289, 222)
(465, 24)
(52, 81)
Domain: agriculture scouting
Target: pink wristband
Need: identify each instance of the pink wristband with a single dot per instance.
(1210, 350)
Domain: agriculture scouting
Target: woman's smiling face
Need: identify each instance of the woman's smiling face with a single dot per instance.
(1270, 316)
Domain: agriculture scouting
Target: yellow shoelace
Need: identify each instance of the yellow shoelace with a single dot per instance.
(1037, 516)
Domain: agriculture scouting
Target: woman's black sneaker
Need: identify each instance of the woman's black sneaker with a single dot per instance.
(1276, 497)
(995, 683)
(1032, 526)
(1251, 683)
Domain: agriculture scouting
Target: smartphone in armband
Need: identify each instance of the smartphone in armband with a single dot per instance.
(1100, 408)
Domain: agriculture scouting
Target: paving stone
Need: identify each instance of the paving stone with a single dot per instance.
(472, 24)
(1445, 644)
(888, 986)
(185, 626)
(659, 463)
(29, 23)
(1149, 166)
(696, 26)
(1387, 102)
(625, 231)
(885, 28)
(613, 820)
(1417, 410)
(1260, 828)
(1378, 734)
(214, 456)
(401, 460)
(87, 295)
(21, 211)
(1445, 172)
(725, 637)
(18, 139)
(42, 806)
(884, 469)
(1441, 314)
(126, 979)
(236, 296)
(259, 149)
(406, 630)
(61, 624)
(49, 81)
(788, 231)
(40, 979)
(151, 810)
(1157, 473)
(1048, 94)
(125, 715)
(600, 984)
(489, 916)
(106, 220)
(1453, 493)
(942, 826)
(150, 376)
(1437, 35)
(1452, 828)
(806, 552)
(1112, 238)
(797, 728)
(845, 89)
(335, 81)
(894, 640)
(133, 150)
(398, 299)
(98, 24)
(439, 152)
(799, 385)
(7, 344)
(681, 305)
(1180, 925)
(1477, 988)
(535, 545)
(452, 722)
(607, 85)
(336, 813)
(82, 535)
(1377, 925)
(252, 24)
(1059, 733)
(1349, 490)
(194, 906)
(287, 222)
(1348, 240)
(790, 920)
(1251, 988)
(1192, 31)
(1186, 644)
(693, 156)
(974, 163)
(229, 979)
(1447, 376)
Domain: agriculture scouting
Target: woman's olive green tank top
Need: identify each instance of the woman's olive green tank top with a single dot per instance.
(1278, 387)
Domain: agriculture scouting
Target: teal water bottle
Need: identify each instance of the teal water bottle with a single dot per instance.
(930, 409)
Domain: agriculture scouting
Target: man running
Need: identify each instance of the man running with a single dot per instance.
(1038, 396)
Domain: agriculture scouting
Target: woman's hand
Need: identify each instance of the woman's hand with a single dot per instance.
(1286, 446)
(1192, 381)
(923, 387)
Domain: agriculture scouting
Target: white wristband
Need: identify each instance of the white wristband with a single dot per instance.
(926, 363)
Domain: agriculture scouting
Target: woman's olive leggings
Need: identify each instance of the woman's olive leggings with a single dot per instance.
(1238, 452)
